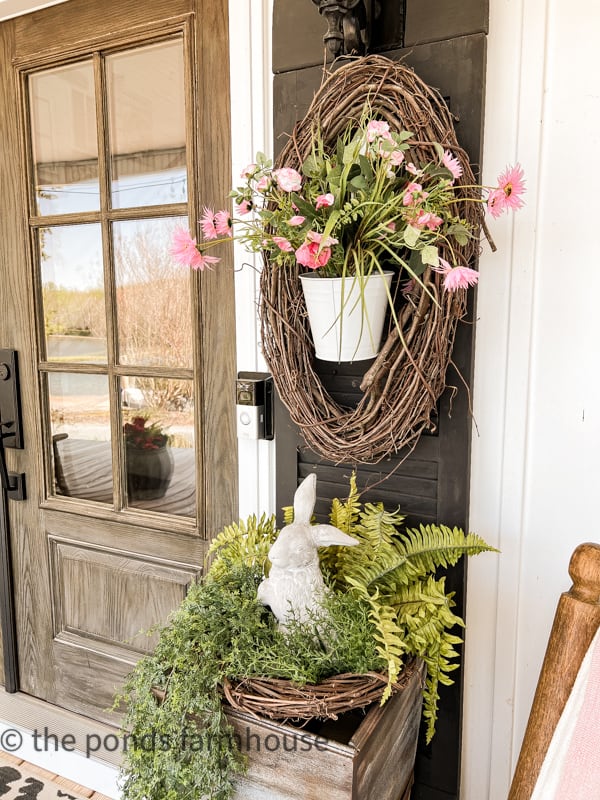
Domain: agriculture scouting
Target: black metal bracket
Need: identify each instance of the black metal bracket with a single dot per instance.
(349, 25)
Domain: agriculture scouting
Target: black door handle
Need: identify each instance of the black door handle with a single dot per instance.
(11, 434)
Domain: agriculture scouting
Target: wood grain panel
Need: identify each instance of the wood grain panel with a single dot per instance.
(62, 26)
(169, 548)
(217, 307)
(112, 596)
(432, 20)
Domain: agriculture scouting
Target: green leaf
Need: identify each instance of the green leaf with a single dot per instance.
(429, 255)
(438, 149)
(460, 232)
(312, 167)
(411, 235)
(359, 183)
(366, 167)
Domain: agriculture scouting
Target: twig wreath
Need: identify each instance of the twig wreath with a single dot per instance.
(402, 387)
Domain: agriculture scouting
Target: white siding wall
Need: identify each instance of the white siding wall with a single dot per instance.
(535, 467)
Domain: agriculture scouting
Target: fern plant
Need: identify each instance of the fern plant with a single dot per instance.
(385, 603)
(394, 573)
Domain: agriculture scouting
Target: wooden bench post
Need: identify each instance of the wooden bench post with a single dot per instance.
(575, 624)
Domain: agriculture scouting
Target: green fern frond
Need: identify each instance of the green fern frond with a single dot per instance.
(378, 526)
(288, 515)
(389, 636)
(414, 555)
(245, 543)
(345, 513)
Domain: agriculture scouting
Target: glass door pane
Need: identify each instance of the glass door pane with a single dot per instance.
(153, 295)
(146, 107)
(65, 142)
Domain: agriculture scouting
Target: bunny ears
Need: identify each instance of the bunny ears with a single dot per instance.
(304, 504)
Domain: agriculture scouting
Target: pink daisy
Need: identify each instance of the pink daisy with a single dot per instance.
(207, 223)
(205, 261)
(456, 277)
(512, 183)
(452, 164)
(223, 223)
(184, 250)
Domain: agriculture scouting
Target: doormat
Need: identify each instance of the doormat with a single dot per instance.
(21, 783)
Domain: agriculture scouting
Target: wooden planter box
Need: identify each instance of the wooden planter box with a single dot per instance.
(358, 757)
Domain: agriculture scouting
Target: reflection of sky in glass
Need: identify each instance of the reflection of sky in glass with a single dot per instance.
(159, 188)
(153, 189)
(72, 256)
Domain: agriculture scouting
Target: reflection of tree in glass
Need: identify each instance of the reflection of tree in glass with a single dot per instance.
(153, 296)
(72, 312)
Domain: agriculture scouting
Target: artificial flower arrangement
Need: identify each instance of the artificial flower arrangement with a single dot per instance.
(355, 209)
(141, 434)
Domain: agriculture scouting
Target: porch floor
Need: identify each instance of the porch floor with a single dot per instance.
(46, 775)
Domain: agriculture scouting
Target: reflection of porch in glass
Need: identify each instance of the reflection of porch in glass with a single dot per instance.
(86, 169)
(83, 469)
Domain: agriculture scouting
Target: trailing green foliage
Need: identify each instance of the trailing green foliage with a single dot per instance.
(385, 603)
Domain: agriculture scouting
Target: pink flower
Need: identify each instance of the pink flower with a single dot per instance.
(205, 261)
(496, 202)
(283, 244)
(263, 184)
(428, 220)
(317, 238)
(244, 208)
(511, 183)
(396, 158)
(378, 129)
(183, 248)
(391, 225)
(207, 223)
(316, 250)
(296, 220)
(309, 256)
(223, 223)
(456, 277)
(248, 171)
(288, 179)
(411, 190)
(324, 200)
(452, 164)
(410, 167)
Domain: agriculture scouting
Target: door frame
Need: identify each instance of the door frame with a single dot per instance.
(217, 319)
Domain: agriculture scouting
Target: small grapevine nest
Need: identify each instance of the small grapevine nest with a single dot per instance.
(281, 699)
(402, 387)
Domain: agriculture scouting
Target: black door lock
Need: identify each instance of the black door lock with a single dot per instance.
(11, 434)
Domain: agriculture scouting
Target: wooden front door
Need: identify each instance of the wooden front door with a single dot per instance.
(114, 122)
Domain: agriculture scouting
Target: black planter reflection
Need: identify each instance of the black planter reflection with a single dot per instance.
(149, 472)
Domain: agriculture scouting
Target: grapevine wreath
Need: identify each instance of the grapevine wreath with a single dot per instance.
(402, 387)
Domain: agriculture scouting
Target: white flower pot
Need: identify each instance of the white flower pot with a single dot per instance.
(346, 315)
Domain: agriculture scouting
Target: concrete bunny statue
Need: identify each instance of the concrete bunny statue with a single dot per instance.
(295, 586)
